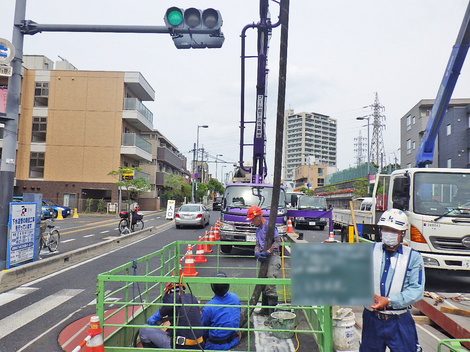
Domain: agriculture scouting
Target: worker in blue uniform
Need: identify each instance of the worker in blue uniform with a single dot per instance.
(224, 317)
(186, 316)
(272, 255)
(398, 283)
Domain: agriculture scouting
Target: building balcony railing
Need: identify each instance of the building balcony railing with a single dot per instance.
(167, 156)
(142, 174)
(136, 147)
(137, 114)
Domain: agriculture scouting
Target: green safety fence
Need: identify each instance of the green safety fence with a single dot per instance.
(131, 293)
(454, 345)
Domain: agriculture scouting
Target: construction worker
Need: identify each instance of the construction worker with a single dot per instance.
(272, 255)
(225, 317)
(187, 338)
(398, 283)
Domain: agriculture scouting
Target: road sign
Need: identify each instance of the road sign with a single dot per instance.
(196, 175)
(127, 174)
(7, 51)
(5, 70)
(22, 226)
(170, 210)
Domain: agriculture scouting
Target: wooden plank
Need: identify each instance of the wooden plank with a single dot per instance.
(458, 311)
(446, 321)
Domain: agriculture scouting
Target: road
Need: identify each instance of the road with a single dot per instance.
(33, 314)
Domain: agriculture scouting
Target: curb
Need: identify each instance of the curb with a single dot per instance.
(294, 239)
(17, 276)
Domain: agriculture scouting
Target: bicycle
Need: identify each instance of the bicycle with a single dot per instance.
(136, 222)
(50, 238)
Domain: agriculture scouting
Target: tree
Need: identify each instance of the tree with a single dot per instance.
(215, 186)
(133, 186)
(201, 191)
(176, 188)
(360, 188)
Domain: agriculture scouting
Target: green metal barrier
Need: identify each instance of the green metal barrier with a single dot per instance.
(452, 344)
(129, 294)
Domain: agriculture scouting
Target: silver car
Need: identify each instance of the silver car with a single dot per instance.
(192, 215)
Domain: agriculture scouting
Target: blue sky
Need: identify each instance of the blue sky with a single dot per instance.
(340, 53)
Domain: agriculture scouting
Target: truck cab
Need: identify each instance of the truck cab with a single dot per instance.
(316, 203)
(238, 198)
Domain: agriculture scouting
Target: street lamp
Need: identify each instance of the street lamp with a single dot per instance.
(368, 144)
(194, 188)
(222, 173)
(216, 164)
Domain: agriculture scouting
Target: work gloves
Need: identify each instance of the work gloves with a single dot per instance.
(261, 256)
(153, 319)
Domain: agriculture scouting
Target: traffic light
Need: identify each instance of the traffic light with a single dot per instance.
(193, 21)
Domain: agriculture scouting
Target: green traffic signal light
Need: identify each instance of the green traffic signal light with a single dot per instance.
(174, 16)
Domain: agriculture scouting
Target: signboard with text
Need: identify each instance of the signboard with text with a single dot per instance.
(170, 209)
(21, 234)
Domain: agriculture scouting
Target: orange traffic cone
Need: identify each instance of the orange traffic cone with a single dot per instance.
(189, 268)
(200, 252)
(207, 247)
(217, 231)
(331, 238)
(212, 236)
(290, 228)
(96, 342)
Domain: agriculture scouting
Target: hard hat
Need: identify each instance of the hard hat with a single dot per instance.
(171, 286)
(220, 289)
(253, 211)
(394, 218)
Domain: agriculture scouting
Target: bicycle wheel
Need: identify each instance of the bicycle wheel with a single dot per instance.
(139, 225)
(54, 241)
(123, 224)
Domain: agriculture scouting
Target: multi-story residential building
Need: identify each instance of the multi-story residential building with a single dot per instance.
(75, 127)
(308, 134)
(166, 159)
(314, 175)
(413, 125)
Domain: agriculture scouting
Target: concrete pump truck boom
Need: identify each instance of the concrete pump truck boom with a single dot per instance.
(437, 200)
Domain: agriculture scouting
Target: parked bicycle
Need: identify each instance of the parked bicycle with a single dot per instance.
(50, 237)
(130, 222)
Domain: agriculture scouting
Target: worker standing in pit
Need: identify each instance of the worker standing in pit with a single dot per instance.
(398, 283)
(272, 255)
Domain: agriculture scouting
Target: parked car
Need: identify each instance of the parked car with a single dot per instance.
(65, 210)
(47, 211)
(192, 215)
(217, 203)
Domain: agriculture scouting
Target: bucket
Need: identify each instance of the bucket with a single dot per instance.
(286, 307)
(283, 321)
(344, 332)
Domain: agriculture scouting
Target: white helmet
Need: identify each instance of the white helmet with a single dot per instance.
(394, 218)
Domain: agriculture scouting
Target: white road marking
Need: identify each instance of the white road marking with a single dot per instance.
(86, 236)
(69, 240)
(106, 231)
(18, 292)
(34, 311)
(428, 332)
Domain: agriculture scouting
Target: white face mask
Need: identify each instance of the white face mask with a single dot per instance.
(390, 239)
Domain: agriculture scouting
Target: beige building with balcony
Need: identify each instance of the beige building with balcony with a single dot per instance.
(77, 126)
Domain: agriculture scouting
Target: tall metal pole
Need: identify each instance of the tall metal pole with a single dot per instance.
(7, 167)
(368, 148)
(193, 178)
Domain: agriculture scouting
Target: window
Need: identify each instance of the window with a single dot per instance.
(413, 120)
(36, 165)
(408, 122)
(449, 163)
(408, 165)
(321, 171)
(408, 146)
(41, 94)
(39, 129)
(320, 182)
(448, 130)
(414, 145)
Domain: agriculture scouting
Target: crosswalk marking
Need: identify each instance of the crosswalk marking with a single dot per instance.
(34, 311)
(18, 292)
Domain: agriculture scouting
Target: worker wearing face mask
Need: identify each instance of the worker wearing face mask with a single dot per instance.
(398, 283)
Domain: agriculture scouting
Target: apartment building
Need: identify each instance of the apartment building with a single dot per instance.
(77, 126)
(413, 125)
(313, 175)
(166, 159)
(308, 135)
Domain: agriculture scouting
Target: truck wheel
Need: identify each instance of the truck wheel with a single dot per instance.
(226, 248)
(322, 227)
(344, 234)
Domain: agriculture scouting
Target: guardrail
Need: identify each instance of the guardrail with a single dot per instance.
(129, 294)
(452, 344)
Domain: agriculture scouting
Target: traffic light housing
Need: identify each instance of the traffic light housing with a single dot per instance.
(186, 25)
